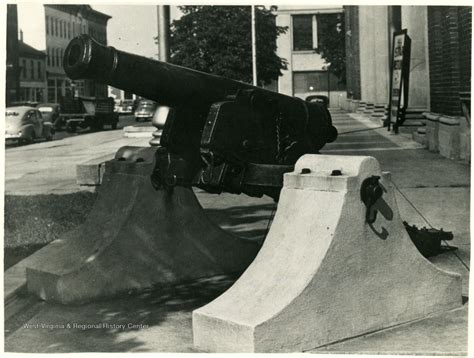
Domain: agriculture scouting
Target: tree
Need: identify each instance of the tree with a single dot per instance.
(217, 39)
(331, 44)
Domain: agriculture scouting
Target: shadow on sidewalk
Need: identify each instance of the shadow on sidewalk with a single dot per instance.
(129, 323)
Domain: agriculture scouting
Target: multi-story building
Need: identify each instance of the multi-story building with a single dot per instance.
(307, 72)
(12, 70)
(32, 73)
(439, 71)
(64, 22)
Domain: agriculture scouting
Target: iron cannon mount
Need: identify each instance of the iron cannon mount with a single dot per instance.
(220, 134)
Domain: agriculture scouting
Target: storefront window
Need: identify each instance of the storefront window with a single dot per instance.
(316, 81)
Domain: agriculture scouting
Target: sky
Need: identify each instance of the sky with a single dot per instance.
(131, 28)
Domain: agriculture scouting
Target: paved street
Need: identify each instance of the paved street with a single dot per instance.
(124, 120)
(431, 190)
(50, 167)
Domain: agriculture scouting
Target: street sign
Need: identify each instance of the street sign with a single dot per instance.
(399, 78)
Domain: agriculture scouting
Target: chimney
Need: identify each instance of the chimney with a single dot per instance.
(21, 35)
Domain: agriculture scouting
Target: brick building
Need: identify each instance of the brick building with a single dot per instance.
(440, 62)
(306, 74)
(449, 40)
(32, 73)
(12, 76)
(64, 22)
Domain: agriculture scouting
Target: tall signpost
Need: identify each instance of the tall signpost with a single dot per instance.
(399, 79)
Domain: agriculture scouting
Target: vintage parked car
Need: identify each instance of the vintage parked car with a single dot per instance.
(126, 106)
(145, 110)
(25, 124)
(50, 113)
(324, 100)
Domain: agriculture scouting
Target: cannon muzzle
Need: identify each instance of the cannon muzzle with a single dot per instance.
(85, 58)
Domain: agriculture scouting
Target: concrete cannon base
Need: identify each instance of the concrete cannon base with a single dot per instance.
(133, 238)
(324, 274)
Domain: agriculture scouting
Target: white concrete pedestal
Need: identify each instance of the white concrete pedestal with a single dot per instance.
(324, 274)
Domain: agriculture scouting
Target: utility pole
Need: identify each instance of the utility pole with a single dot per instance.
(161, 114)
(254, 48)
(163, 32)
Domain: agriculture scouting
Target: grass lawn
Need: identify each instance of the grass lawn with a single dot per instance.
(33, 221)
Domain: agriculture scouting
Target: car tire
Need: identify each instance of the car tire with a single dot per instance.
(30, 139)
(114, 125)
(71, 128)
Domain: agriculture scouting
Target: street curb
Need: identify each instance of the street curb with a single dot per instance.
(138, 131)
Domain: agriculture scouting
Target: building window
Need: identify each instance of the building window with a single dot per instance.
(32, 70)
(326, 23)
(56, 33)
(303, 30)
(39, 70)
(23, 69)
(316, 81)
(52, 91)
(47, 25)
(73, 29)
(68, 30)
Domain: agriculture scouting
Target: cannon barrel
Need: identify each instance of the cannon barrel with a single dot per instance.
(169, 84)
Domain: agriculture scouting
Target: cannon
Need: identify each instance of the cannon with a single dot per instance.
(220, 134)
(323, 272)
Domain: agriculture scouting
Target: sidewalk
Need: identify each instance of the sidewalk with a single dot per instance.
(431, 191)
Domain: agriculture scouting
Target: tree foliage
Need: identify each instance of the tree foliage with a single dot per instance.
(217, 39)
(332, 46)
